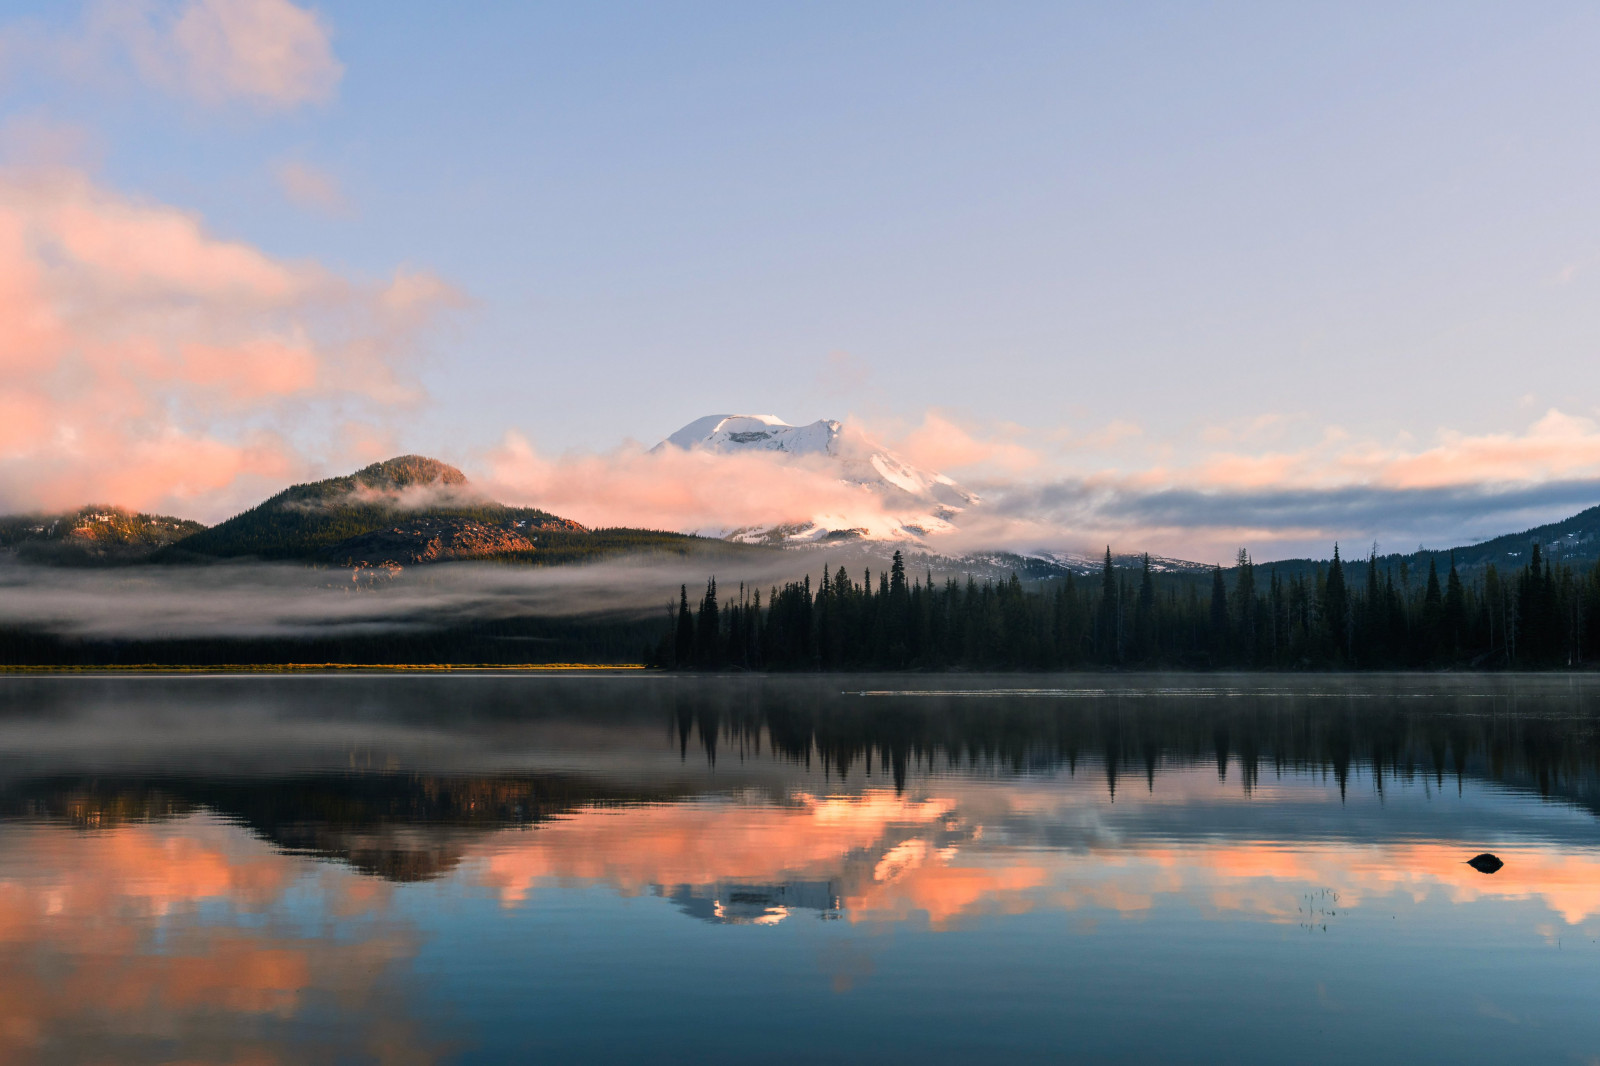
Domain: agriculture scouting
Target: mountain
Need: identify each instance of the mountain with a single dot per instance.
(1574, 541)
(901, 502)
(90, 536)
(404, 510)
(1081, 564)
(410, 509)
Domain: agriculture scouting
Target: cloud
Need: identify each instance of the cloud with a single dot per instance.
(193, 929)
(308, 187)
(940, 443)
(42, 141)
(1273, 521)
(1289, 501)
(272, 54)
(1455, 489)
(680, 489)
(843, 375)
(150, 363)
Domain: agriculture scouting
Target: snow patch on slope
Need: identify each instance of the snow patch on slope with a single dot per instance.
(899, 502)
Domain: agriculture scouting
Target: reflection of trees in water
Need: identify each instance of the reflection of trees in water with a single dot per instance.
(414, 825)
(399, 826)
(1548, 746)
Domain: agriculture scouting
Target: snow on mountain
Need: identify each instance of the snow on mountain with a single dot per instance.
(1087, 563)
(767, 433)
(899, 501)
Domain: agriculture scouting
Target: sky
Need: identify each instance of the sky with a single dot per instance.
(1178, 277)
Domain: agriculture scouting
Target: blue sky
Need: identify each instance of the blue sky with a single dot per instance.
(1130, 239)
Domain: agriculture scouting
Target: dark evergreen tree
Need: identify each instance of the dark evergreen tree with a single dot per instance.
(1336, 609)
(1219, 618)
(1244, 609)
(708, 630)
(1108, 635)
(683, 641)
(1455, 612)
(1432, 620)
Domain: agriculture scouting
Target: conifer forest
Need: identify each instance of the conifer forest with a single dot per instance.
(1361, 616)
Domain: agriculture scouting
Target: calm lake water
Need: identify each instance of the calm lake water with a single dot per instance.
(861, 869)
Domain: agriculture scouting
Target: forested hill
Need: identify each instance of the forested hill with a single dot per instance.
(410, 509)
(1574, 541)
(92, 536)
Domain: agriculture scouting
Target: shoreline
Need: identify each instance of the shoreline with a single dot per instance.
(296, 668)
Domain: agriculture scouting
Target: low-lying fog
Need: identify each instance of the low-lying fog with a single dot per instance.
(252, 599)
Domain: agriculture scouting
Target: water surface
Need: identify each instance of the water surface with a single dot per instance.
(889, 869)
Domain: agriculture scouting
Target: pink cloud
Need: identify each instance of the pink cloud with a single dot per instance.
(680, 490)
(940, 443)
(149, 363)
(309, 187)
(1557, 445)
(270, 53)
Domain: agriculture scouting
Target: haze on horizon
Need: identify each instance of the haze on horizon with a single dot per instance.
(1174, 278)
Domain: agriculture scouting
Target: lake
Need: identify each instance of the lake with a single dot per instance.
(921, 869)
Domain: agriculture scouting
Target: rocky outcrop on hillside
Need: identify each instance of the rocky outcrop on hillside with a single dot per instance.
(438, 539)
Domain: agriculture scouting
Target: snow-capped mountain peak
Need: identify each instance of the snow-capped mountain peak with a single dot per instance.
(734, 433)
(898, 502)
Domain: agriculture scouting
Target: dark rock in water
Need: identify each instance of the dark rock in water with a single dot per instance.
(1485, 863)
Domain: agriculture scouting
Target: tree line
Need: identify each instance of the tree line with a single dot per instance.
(1543, 615)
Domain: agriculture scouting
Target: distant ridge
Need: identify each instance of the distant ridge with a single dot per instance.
(92, 535)
(1574, 541)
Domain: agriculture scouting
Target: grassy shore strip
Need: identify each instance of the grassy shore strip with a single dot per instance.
(285, 668)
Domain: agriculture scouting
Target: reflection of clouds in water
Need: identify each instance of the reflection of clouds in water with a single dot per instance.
(125, 944)
(1002, 849)
(633, 849)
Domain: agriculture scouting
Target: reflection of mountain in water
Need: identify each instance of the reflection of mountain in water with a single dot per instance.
(742, 904)
(785, 738)
(402, 827)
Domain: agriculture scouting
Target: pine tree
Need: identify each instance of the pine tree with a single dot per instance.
(1244, 607)
(1219, 617)
(1432, 615)
(1337, 607)
(1455, 612)
(1106, 628)
(683, 642)
(708, 630)
(1144, 614)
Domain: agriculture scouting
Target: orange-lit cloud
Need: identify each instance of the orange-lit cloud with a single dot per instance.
(1557, 445)
(941, 443)
(310, 187)
(926, 859)
(679, 489)
(701, 843)
(150, 363)
(1200, 496)
(101, 939)
(272, 54)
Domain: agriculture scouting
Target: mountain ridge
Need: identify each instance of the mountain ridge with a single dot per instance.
(1572, 540)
